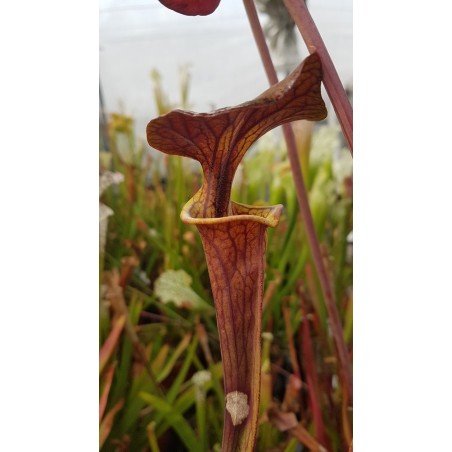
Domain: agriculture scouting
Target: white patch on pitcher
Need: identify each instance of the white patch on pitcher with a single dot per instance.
(237, 406)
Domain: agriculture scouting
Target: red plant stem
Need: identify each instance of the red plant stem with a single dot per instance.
(331, 80)
(290, 341)
(106, 391)
(305, 210)
(310, 372)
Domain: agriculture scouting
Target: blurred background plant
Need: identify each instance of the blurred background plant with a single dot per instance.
(160, 362)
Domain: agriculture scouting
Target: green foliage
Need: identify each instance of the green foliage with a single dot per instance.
(150, 379)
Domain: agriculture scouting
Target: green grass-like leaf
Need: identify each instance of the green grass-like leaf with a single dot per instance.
(175, 420)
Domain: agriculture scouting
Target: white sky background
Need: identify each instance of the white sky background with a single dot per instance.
(136, 36)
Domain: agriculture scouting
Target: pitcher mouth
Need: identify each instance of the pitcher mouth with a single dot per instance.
(267, 215)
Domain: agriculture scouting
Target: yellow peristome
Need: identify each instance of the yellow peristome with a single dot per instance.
(268, 215)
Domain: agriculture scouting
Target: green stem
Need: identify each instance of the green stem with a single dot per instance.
(201, 420)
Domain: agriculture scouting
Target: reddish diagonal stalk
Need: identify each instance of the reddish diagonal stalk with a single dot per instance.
(106, 391)
(311, 373)
(305, 210)
(331, 80)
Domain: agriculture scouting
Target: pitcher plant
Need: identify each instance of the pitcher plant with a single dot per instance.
(234, 234)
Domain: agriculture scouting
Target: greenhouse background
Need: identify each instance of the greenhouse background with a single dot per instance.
(219, 52)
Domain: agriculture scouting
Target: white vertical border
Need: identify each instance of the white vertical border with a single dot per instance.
(402, 226)
(49, 226)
